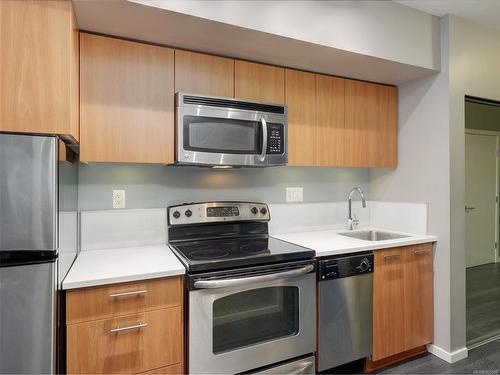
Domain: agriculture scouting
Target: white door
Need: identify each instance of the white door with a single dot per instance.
(480, 195)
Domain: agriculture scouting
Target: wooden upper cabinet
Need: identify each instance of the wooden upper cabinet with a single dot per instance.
(198, 73)
(419, 300)
(259, 82)
(127, 101)
(370, 124)
(39, 67)
(330, 121)
(300, 96)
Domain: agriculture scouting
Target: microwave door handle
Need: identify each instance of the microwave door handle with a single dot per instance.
(225, 283)
(262, 155)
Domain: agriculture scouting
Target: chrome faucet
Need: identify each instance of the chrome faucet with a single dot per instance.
(353, 223)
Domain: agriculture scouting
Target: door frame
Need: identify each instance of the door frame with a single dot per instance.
(497, 208)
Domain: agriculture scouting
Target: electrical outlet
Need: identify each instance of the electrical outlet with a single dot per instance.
(118, 198)
(294, 194)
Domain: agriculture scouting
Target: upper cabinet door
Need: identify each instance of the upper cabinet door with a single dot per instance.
(300, 96)
(371, 124)
(39, 67)
(198, 73)
(330, 121)
(259, 82)
(127, 101)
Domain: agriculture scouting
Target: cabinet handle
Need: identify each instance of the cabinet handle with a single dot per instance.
(135, 326)
(420, 252)
(392, 256)
(128, 294)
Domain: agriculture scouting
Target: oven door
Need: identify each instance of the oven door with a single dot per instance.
(246, 326)
(215, 136)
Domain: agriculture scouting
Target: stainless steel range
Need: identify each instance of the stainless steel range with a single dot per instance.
(251, 298)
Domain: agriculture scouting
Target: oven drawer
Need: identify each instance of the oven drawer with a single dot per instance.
(108, 301)
(126, 345)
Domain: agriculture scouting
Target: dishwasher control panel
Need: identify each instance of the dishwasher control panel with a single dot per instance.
(345, 266)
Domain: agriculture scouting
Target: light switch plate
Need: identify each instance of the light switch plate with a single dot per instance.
(118, 198)
(294, 194)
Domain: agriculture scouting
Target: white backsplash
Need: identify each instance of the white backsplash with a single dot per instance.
(107, 229)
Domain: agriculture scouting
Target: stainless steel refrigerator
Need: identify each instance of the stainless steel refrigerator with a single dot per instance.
(38, 243)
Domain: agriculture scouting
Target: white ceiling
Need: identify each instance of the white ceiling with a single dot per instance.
(484, 12)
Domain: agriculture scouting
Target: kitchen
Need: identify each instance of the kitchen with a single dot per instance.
(286, 159)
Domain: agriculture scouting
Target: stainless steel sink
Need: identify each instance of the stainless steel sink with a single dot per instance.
(373, 235)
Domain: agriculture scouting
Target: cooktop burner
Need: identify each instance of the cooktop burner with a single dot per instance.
(226, 235)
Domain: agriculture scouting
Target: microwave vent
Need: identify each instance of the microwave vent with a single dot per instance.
(235, 104)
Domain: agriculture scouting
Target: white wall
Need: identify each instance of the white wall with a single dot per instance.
(153, 186)
(431, 159)
(474, 70)
(374, 28)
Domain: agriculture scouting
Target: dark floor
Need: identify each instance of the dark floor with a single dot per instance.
(483, 302)
(484, 360)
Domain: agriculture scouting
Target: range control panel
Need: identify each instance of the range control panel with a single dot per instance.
(345, 266)
(213, 212)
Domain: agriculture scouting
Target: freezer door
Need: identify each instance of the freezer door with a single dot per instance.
(28, 193)
(27, 319)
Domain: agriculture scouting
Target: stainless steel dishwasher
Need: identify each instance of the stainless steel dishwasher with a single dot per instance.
(345, 303)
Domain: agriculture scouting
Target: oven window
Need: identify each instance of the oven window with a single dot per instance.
(221, 135)
(255, 316)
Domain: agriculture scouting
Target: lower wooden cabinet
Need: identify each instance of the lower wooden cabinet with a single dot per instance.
(402, 300)
(150, 340)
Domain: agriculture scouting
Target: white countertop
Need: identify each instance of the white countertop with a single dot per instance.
(330, 242)
(109, 266)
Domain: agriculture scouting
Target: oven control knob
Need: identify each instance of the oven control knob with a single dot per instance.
(177, 214)
(254, 210)
(263, 210)
(188, 213)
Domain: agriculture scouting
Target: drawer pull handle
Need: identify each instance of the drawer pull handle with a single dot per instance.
(392, 256)
(135, 326)
(420, 252)
(128, 294)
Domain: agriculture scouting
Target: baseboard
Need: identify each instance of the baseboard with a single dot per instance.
(452, 357)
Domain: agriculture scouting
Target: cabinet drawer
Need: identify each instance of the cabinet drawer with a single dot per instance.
(169, 370)
(126, 345)
(121, 299)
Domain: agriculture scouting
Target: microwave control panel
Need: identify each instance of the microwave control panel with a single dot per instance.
(275, 139)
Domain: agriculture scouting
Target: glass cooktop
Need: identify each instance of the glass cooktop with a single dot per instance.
(215, 254)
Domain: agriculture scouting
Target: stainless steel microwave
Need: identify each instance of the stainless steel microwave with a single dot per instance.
(215, 131)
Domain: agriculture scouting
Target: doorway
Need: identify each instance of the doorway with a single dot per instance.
(482, 230)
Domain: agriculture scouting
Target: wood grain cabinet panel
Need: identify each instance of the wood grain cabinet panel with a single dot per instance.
(300, 96)
(106, 301)
(93, 347)
(330, 121)
(198, 73)
(259, 82)
(388, 304)
(169, 370)
(419, 300)
(370, 124)
(39, 67)
(127, 101)
(402, 301)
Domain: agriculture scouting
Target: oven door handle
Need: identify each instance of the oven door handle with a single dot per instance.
(225, 283)
(301, 368)
(262, 155)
